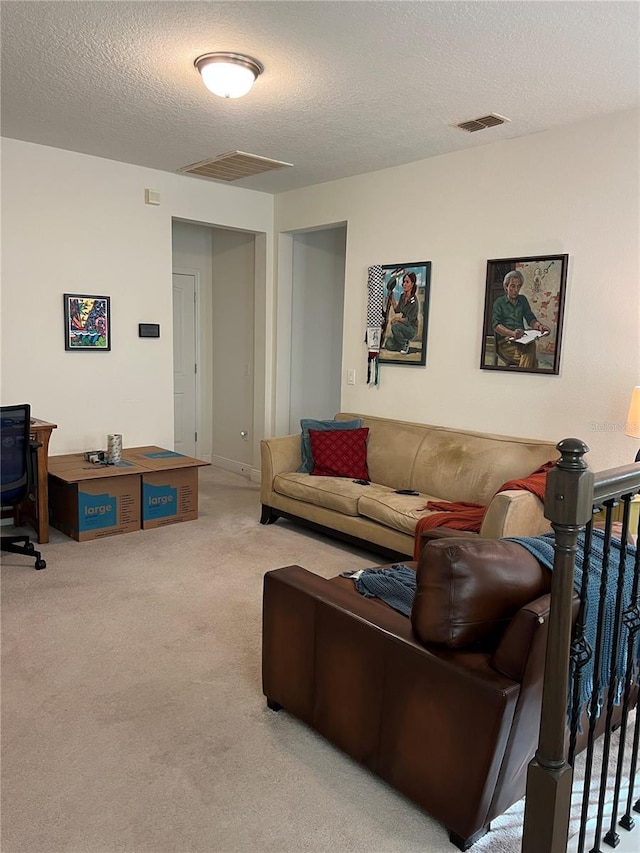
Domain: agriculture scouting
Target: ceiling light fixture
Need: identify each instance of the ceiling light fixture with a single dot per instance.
(229, 75)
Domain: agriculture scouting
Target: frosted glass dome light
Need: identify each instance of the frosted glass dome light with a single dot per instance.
(229, 75)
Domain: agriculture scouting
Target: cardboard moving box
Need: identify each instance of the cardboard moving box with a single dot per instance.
(150, 487)
(154, 458)
(169, 497)
(169, 485)
(88, 501)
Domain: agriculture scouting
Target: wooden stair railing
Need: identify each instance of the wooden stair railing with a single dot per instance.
(573, 494)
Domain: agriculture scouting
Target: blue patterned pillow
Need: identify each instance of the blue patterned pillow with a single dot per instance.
(308, 423)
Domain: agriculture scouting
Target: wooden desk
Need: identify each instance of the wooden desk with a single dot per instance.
(37, 514)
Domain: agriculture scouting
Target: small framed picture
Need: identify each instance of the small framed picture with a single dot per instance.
(403, 336)
(87, 322)
(524, 303)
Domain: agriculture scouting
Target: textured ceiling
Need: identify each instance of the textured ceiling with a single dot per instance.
(348, 87)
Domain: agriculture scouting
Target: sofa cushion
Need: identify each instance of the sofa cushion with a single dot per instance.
(337, 493)
(468, 467)
(391, 450)
(455, 465)
(309, 423)
(400, 512)
(469, 589)
(340, 453)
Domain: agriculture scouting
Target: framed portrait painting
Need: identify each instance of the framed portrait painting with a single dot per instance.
(87, 322)
(523, 308)
(403, 336)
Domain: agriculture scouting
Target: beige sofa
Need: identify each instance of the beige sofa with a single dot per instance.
(439, 463)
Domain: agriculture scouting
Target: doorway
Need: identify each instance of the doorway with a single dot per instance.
(221, 266)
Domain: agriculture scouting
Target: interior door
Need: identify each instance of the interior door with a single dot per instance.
(184, 363)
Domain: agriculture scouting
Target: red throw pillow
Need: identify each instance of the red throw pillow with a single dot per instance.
(340, 453)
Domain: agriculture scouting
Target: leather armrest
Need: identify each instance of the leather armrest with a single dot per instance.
(514, 650)
(444, 533)
(293, 581)
(469, 589)
(512, 653)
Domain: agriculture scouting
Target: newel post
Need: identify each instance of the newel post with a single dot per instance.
(567, 504)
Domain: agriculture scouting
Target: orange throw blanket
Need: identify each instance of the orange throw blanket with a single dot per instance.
(460, 515)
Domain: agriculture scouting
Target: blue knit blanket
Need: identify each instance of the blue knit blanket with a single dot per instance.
(396, 586)
(542, 549)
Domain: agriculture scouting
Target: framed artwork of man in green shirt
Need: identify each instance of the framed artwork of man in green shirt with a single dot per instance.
(524, 303)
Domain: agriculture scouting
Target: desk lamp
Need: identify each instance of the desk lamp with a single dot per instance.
(633, 418)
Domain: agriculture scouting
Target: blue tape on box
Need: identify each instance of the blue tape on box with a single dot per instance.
(96, 511)
(158, 501)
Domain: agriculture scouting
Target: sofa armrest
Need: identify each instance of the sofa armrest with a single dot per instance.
(278, 456)
(444, 533)
(527, 627)
(514, 513)
(469, 590)
(514, 649)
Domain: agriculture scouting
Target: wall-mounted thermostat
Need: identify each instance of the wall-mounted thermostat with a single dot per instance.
(148, 330)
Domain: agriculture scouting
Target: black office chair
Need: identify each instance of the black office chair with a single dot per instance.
(16, 472)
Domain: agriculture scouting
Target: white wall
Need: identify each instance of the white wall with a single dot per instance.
(573, 190)
(233, 343)
(73, 223)
(316, 324)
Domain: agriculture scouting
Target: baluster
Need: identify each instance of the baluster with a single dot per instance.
(581, 651)
(632, 621)
(595, 691)
(611, 837)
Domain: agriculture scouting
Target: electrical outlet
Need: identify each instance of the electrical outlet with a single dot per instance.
(351, 376)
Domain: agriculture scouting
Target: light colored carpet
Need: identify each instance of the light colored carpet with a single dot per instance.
(132, 712)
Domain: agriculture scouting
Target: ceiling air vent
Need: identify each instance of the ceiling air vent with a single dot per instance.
(233, 166)
(492, 120)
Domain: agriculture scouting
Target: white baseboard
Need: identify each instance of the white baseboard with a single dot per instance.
(241, 468)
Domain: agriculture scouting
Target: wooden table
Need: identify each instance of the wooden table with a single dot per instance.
(37, 513)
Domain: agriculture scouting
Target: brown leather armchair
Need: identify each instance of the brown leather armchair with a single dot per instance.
(444, 706)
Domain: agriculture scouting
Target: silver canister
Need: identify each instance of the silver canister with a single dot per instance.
(114, 449)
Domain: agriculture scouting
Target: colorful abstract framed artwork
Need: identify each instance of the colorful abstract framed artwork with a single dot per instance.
(523, 309)
(87, 322)
(403, 337)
